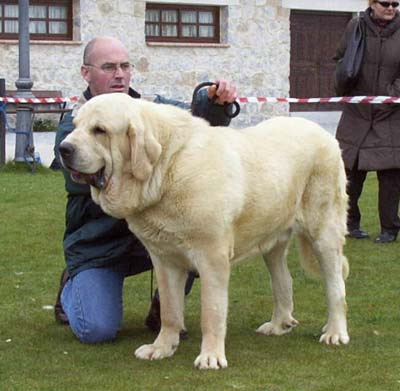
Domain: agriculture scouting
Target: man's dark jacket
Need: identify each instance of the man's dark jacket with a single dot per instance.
(94, 239)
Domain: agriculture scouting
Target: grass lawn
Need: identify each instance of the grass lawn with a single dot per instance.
(38, 354)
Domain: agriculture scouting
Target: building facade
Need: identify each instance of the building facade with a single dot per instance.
(247, 41)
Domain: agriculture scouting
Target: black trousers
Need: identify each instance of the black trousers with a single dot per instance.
(388, 201)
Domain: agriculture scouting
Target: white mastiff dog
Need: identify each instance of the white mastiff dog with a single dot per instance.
(203, 198)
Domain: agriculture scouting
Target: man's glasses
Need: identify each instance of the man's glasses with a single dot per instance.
(110, 67)
(387, 4)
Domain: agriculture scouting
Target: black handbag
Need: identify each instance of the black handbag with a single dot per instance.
(348, 67)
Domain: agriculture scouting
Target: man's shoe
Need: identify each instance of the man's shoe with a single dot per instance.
(386, 237)
(183, 335)
(60, 315)
(357, 233)
(153, 319)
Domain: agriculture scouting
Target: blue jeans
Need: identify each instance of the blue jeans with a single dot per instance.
(92, 301)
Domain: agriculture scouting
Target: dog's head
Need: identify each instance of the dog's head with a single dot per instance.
(110, 140)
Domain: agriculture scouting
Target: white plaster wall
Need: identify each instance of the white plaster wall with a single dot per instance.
(255, 53)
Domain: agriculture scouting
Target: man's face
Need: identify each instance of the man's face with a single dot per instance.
(384, 13)
(108, 68)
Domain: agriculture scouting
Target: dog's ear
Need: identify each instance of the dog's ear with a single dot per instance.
(145, 150)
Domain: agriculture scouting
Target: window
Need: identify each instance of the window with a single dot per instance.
(181, 23)
(48, 20)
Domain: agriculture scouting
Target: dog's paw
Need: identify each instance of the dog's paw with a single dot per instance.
(153, 352)
(210, 361)
(277, 328)
(330, 336)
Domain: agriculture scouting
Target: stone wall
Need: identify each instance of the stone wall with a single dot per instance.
(254, 54)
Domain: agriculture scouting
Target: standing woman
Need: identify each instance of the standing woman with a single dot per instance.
(369, 134)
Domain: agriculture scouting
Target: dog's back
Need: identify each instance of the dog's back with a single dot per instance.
(291, 174)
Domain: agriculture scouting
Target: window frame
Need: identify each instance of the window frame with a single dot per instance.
(40, 37)
(215, 10)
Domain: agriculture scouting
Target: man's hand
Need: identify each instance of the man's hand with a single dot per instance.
(225, 93)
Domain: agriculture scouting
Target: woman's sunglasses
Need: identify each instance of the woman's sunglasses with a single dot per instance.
(387, 4)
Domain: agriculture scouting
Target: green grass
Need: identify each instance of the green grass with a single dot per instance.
(38, 354)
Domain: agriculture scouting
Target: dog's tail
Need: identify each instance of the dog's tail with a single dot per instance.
(322, 233)
(309, 260)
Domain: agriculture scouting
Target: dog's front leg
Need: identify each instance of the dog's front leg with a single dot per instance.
(171, 283)
(214, 276)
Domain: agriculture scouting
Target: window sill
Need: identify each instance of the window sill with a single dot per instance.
(189, 44)
(35, 42)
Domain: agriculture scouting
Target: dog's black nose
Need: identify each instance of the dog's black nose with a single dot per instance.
(66, 150)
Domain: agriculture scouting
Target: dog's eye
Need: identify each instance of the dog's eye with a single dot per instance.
(99, 131)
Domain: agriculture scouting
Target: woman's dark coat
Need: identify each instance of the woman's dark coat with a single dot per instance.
(369, 134)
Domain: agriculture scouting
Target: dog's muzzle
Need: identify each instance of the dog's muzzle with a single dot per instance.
(67, 152)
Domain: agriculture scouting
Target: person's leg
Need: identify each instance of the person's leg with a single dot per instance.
(389, 197)
(92, 301)
(355, 182)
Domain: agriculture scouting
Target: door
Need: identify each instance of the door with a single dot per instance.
(314, 37)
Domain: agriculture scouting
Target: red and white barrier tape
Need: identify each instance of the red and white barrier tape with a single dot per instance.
(8, 99)
(250, 99)
(339, 99)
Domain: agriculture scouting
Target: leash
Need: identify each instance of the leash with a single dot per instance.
(151, 284)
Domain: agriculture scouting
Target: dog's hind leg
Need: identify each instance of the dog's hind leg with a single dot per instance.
(171, 283)
(282, 320)
(333, 268)
(328, 249)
